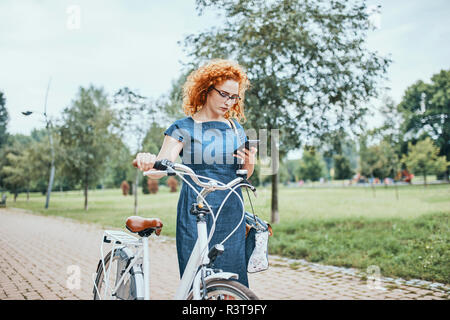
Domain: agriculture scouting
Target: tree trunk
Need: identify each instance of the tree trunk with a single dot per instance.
(86, 188)
(275, 218)
(396, 190)
(425, 179)
(373, 186)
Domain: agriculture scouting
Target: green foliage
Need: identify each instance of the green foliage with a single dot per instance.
(342, 169)
(145, 185)
(292, 167)
(12, 163)
(16, 173)
(379, 160)
(4, 117)
(86, 138)
(154, 138)
(39, 160)
(305, 60)
(283, 173)
(172, 103)
(135, 113)
(426, 109)
(423, 158)
(118, 167)
(311, 166)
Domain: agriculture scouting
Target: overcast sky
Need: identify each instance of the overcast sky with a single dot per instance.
(134, 43)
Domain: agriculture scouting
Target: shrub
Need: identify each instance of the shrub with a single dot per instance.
(172, 182)
(125, 187)
(152, 185)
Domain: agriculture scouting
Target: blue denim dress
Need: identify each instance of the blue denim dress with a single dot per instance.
(208, 149)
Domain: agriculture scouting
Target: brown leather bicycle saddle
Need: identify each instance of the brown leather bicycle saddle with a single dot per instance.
(138, 224)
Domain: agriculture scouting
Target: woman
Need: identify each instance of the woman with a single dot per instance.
(214, 103)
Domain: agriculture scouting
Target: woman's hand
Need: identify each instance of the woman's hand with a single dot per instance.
(144, 161)
(249, 156)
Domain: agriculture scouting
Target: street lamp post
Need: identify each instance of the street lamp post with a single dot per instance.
(52, 151)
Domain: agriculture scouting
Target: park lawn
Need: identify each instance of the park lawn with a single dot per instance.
(352, 227)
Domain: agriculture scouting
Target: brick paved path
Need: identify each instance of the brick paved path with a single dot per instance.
(39, 256)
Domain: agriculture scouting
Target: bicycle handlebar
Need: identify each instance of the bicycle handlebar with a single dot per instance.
(166, 167)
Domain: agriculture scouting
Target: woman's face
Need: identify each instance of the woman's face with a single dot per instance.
(219, 104)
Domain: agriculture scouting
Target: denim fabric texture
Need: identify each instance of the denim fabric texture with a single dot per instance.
(208, 148)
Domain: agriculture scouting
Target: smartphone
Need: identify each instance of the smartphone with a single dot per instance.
(247, 145)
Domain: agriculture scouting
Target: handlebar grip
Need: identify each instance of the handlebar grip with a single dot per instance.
(163, 164)
(159, 165)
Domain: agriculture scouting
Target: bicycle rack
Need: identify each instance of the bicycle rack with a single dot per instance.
(119, 237)
(116, 238)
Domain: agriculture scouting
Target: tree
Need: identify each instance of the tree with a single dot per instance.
(311, 166)
(136, 113)
(171, 103)
(3, 132)
(337, 143)
(426, 109)
(17, 173)
(118, 166)
(4, 117)
(86, 137)
(14, 168)
(154, 138)
(342, 169)
(306, 60)
(292, 167)
(423, 158)
(40, 159)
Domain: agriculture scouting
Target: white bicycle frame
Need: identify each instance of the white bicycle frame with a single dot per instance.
(197, 260)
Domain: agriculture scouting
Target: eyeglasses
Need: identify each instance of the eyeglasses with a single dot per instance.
(234, 98)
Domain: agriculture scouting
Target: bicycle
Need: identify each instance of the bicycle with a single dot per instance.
(124, 272)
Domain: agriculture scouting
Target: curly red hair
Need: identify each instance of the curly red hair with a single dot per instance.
(213, 73)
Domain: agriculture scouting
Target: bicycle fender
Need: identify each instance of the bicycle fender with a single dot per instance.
(126, 255)
(222, 275)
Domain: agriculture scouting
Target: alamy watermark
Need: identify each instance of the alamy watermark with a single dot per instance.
(214, 146)
(73, 281)
(73, 21)
(374, 278)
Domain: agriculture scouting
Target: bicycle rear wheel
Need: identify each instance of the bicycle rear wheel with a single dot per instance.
(131, 287)
(224, 289)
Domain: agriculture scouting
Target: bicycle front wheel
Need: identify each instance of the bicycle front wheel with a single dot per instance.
(108, 278)
(223, 289)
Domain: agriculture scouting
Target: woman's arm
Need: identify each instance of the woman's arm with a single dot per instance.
(170, 150)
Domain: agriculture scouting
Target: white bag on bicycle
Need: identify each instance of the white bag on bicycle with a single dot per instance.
(259, 260)
(257, 243)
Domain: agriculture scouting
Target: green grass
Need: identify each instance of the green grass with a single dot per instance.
(408, 248)
(351, 227)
